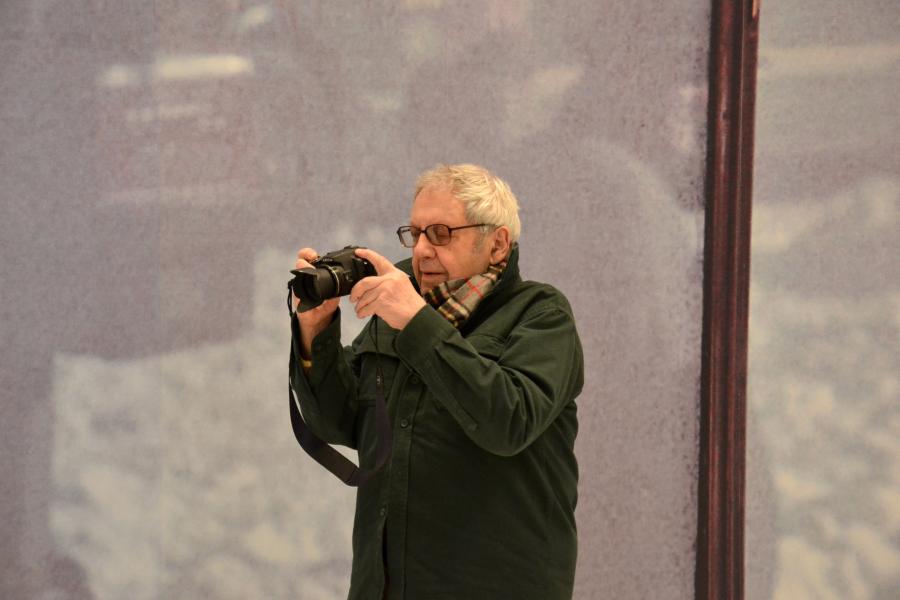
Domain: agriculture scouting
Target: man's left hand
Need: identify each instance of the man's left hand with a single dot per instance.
(390, 295)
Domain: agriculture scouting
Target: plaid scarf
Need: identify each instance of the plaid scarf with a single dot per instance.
(455, 300)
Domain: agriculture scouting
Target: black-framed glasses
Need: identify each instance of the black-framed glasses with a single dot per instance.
(437, 233)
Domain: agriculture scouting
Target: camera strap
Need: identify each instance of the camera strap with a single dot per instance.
(325, 455)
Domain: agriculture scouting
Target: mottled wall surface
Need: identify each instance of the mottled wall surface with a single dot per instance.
(162, 162)
(823, 493)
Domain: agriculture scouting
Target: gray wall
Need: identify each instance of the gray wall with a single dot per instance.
(162, 162)
(823, 493)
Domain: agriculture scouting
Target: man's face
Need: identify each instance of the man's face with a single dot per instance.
(462, 257)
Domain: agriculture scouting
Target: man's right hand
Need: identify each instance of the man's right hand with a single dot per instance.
(313, 321)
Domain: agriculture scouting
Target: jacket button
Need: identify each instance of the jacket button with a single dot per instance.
(414, 379)
(404, 423)
(382, 511)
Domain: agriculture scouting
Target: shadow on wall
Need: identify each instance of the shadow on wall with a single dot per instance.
(619, 208)
(114, 241)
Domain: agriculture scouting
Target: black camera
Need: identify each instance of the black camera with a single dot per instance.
(329, 276)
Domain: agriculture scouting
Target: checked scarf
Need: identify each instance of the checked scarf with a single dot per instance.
(455, 300)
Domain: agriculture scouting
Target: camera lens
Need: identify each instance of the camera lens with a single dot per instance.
(314, 288)
(326, 282)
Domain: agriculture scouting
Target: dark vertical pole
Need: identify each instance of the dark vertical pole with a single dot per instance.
(732, 89)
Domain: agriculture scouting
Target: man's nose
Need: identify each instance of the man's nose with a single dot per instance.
(423, 247)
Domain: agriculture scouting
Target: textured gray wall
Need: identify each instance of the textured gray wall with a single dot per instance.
(162, 162)
(823, 492)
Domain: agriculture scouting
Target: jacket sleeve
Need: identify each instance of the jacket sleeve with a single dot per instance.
(503, 403)
(327, 394)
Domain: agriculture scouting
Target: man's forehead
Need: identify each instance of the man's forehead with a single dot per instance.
(436, 206)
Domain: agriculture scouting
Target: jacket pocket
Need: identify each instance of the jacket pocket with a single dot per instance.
(486, 345)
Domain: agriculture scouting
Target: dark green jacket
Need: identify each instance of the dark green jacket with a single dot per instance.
(478, 499)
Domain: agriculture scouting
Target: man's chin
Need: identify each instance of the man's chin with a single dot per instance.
(429, 282)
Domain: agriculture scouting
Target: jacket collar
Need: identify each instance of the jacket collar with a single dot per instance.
(509, 277)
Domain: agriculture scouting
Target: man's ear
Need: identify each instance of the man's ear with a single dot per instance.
(500, 245)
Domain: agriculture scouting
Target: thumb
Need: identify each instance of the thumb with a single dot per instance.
(381, 264)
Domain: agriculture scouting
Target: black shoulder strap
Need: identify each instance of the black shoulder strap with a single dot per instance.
(328, 457)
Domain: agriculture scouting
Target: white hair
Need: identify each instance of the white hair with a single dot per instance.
(486, 197)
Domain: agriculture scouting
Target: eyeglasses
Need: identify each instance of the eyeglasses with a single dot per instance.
(437, 233)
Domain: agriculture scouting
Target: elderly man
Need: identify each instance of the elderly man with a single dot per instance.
(481, 370)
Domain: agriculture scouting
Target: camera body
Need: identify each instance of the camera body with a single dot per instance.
(330, 276)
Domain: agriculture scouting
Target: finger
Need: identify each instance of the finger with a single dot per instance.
(365, 313)
(368, 305)
(307, 254)
(365, 300)
(304, 257)
(381, 264)
(362, 286)
(326, 306)
(313, 313)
